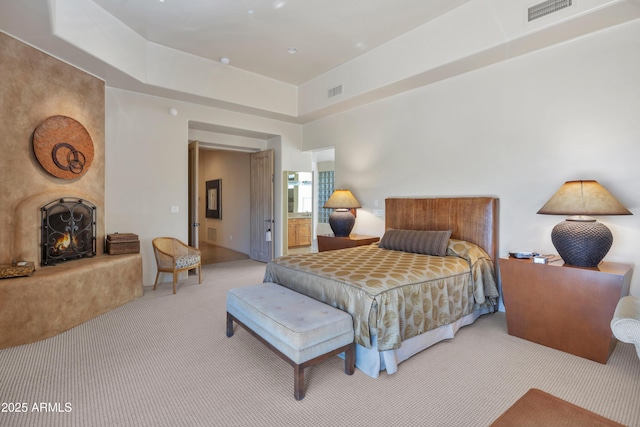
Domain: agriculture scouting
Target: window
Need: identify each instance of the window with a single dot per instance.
(325, 190)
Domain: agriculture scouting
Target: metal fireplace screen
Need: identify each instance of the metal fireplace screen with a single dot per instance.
(68, 230)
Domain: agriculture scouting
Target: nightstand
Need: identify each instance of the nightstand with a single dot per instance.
(564, 307)
(329, 242)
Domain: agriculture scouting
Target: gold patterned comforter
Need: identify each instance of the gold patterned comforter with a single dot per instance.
(392, 294)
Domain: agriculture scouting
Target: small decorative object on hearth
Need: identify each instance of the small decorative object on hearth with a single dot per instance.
(581, 240)
(122, 243)
(342, 220)
(17, 269)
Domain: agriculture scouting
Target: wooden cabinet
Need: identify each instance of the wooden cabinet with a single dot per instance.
(299, 232)
(329, 242)
(564, 307)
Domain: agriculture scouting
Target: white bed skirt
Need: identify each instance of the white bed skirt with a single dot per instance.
(372, 362)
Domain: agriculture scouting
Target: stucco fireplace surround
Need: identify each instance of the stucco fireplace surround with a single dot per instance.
(54, 298)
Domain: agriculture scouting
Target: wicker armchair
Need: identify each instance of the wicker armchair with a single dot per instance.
(173, 256)
(625, 324)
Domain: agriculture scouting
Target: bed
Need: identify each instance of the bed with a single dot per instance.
(431, 274)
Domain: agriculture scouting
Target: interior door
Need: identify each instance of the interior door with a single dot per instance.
(262, 206)
(193, 194)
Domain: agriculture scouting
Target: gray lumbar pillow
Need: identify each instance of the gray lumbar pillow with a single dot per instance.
(415, 241)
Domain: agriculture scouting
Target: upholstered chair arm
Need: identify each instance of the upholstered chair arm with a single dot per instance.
(164, 259)
(182, 249)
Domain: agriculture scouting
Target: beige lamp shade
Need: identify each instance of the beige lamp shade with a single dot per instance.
(342, 199)
(583, 198)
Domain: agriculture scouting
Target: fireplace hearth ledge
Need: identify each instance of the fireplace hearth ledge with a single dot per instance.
(57, 298)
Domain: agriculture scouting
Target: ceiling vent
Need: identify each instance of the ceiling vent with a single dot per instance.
(546, 7)
(334, 91)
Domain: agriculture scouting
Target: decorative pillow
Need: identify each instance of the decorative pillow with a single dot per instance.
(415, 241)
(187, 260)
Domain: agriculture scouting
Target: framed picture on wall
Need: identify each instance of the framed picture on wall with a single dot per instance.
(214, 199)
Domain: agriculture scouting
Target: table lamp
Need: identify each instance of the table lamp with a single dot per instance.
(581, 240)
(341, 219)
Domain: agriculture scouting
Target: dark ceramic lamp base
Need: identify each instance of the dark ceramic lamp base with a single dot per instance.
(341, 222)
(582, 243)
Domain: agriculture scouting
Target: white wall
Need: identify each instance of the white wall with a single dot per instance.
(146, 164)
(516, 130)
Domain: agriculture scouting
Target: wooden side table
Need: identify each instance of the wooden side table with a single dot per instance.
(564, 307)
(329, 242)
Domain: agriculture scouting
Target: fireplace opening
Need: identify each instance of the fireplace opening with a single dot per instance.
(68, 230)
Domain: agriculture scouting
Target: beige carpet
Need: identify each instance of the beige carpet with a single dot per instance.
(164, 360)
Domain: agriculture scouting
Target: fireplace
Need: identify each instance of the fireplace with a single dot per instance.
(68, 230)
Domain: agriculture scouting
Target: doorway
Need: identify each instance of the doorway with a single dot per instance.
(298, 191)
(224, 236)
(322, 172)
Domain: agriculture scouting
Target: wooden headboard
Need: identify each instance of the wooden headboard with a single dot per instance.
(474, 219)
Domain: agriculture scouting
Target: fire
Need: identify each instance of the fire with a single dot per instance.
(63, 243)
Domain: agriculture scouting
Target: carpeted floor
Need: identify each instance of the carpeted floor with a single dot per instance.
(164, 360)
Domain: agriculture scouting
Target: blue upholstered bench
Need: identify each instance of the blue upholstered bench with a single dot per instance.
(299, 329)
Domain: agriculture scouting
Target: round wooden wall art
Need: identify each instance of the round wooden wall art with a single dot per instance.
(63, 147)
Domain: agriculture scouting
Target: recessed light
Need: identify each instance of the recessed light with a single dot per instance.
(292, 50)
(225, 60)
(251, 11)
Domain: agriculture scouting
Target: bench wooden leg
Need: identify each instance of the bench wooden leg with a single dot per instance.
(229, 325)
(298, 385)
(350, 359)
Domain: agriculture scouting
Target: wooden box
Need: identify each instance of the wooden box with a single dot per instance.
(122, 243)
